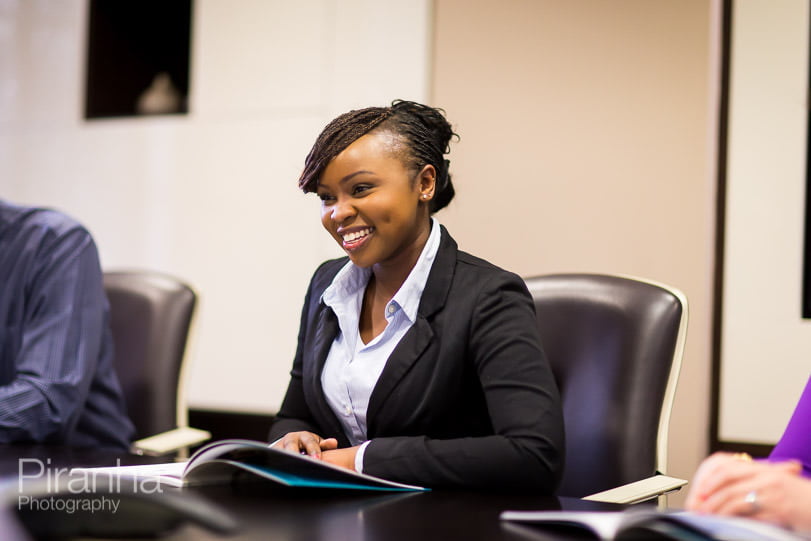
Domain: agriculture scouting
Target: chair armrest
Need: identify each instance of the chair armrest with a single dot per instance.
(169, 441)
(639, 491)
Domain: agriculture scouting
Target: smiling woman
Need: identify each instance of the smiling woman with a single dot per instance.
(374, 206)
(416, 362)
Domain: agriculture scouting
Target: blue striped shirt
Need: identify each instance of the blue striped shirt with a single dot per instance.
(57, 380)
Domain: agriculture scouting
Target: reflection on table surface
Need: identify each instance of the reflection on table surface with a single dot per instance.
(265, 511)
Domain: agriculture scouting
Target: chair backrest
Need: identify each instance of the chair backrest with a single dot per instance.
(615, 345)
(150, 316)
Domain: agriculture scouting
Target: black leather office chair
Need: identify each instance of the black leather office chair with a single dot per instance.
(150, 316)
(615, 345)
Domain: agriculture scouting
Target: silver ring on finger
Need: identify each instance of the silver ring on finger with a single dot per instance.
(751, 499)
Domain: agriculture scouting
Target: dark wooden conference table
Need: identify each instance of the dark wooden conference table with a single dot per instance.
(263, 511)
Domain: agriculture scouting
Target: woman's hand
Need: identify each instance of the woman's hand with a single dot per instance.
(306, 443)
(712, 473)
(726, 484)
(342, 457)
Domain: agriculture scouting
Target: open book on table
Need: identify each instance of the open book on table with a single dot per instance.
(220, 461)
(647, 523)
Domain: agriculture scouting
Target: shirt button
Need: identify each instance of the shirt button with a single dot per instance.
(392, 309)
(347, 410)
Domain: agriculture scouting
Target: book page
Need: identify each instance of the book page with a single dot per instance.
(612, 524)
(604, 524)
(170, 473)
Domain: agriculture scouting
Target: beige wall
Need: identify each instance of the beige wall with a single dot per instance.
(588, 144)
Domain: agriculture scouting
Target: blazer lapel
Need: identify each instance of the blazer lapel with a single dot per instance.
(325, 333)
(420, 335)
(410, 348)
(438, 286)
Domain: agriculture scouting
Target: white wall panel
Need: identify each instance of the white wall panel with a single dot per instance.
(766, 346)
(210, 196)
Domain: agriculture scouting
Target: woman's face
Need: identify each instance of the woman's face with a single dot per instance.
(371, 204)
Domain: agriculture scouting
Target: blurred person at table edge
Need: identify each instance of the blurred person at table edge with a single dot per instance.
(776, 490)
(57, 380)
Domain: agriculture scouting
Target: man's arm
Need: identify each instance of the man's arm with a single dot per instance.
(59, 341)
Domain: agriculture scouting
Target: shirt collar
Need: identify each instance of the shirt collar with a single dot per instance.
(351, 281)
(408, 296)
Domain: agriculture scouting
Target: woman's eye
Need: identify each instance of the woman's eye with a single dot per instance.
(360, 188)
(325, 197)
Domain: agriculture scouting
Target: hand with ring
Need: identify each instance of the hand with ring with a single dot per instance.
(775, 492)
(713, 473)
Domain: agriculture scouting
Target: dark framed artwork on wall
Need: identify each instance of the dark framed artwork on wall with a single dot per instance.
(138, 58)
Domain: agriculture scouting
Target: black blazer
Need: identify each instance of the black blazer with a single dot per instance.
(467, 398)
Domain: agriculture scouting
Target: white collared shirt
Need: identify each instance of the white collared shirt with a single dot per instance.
(352, 368)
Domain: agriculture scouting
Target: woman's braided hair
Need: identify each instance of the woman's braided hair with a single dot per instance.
(425, 132)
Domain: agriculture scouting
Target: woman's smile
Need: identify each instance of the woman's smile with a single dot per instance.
(355, 238)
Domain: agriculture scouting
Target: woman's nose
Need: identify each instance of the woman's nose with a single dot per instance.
(342, 210)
